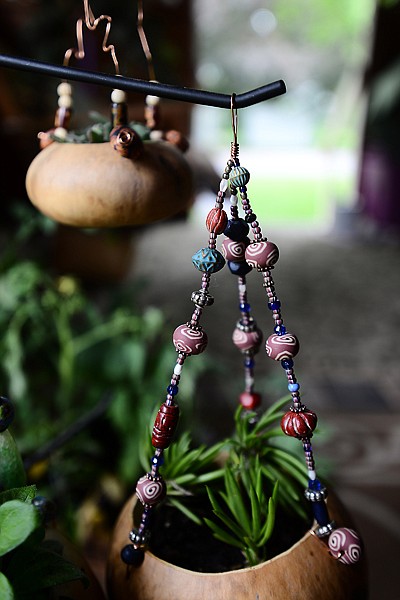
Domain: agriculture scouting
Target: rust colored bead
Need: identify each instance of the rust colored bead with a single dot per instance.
(281, 347)
(177, 139)
(165, 425)
(45, 138)
(216, 220)
(233, 251)
(299, 424)
(247, 340)
(262, 255)
(126, 142)
(188, 340)
(150, 490)
(62, 117)
(250, 400)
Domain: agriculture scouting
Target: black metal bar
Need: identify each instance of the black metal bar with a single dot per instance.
(270, 90)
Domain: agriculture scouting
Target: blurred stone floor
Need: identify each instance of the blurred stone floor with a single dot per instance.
(340, 294)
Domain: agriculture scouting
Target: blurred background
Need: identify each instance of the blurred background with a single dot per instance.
(325, 170)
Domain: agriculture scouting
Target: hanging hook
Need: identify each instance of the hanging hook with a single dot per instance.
(144, 42)
(78, 52)
(234, 118)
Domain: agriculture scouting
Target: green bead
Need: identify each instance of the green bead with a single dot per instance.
(239, 177)
(208, 260)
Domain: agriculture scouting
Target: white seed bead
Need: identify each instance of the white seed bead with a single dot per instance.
(65, 101)
(60, 132)
(312, 475)
(177, 369)
(64, 89)
(223, 186)
(242, 288)
(156, 135)
(233, 200)
(118, 96)
(152, 100)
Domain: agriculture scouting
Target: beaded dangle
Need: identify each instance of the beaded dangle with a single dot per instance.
(242, 255)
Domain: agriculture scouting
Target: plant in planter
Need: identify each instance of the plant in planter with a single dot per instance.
(245, 510)
(36, 563)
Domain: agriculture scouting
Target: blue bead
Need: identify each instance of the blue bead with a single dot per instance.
(274, 305)
(132, 556)
(280, 329)
(293, 387)
(172, 390)
(239, 268)
(245, 307)
(320, 512)
(157, 461)
(249, 363)
(208, 260)
(287, 363)
(237, 230)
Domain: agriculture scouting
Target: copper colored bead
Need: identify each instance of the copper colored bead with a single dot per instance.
(280, 347)
(250, 400)
(165, 425)
(262, 255)
(247, 340)
(45, 138)
(188, 340)
(177, 139)
(150, 490)
(216, 220)
(126, 142)
(63, 117)
(299, 424)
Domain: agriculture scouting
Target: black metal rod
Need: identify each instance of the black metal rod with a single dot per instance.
(270, 90)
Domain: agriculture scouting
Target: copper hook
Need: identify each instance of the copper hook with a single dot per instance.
(234, 118)
(79, 52)
(144, 42)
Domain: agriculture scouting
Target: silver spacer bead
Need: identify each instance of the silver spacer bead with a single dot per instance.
(139, 539)
(251, 325)
(315, 495)
(202, 298)
(324, 530)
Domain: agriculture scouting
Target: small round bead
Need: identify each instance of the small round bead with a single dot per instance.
(172, 390)
(118, 96)
(156, 135)
(65, 101)
(250, 218)
(64, 89)
(150, 491)
(287, 363)
(345, 545)
(188, 340)
(6, 413)
(157, 461)
(208, 260)
(280, 329)
(247, 340)
(245, 307)
(275, 305)
(236, 229)
(152, 100)
(60, 132)
(250, 400)
(280, 347)
(299, 424)
(293, 387)
(262, 254)
(176, 138)
(216, 220)
(132, 556)
(241, 269)
(249, 363)
(178, 369)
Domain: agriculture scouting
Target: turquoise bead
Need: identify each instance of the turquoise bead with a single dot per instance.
(239, 177)
(208, 260)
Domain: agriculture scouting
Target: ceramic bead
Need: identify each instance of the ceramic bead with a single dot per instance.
(241, 269)
(262, 255)
(150, 490)
(250, 400)
(132, 556)
(64, 89)
(232, 250)
(65, 101)
(188, 340)
(165, 425)
(208, 260)
(299, 424)
(247, 340)
(345, 545)
(118, 96)
(239, 177)
(237, 229)
(216, 220)
(282, 347)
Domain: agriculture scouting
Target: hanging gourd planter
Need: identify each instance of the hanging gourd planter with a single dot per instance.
(113, 174)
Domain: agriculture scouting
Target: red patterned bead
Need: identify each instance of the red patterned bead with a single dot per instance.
(150, 490)
(262, 255)
(165, 425)
(280, 347)
(233, 251)
(250, 400)
(188, 340)
(216, 221)
(345, 545)
(299, 424)
(247, 340)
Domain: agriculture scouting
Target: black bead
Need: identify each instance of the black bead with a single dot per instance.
(250, 218)
(239, 268)
(236, 229)
(46, 508)
(6, 413)
(132, 556)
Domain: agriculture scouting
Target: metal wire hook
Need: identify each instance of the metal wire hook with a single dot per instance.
(234, 119)
(144, 42)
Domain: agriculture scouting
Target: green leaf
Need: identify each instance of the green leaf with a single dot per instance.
(25, 494)
(185, 510)
(6, 591)
(269, 526)
(223, 535)
(235, 501)
(255, 512)
(17, 521)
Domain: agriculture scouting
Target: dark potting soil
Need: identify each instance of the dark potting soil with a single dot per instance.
(181, 542)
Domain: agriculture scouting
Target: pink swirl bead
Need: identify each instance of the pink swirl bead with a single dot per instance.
(299, 424)
(280, 347)
(247, 340)
(150, 491)
(345, 545)
(188, 340)
(234, 251)
(262, 255)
